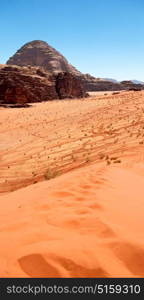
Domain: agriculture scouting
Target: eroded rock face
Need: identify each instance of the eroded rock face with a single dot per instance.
(68, 86)
(19, 86)
(28, 84)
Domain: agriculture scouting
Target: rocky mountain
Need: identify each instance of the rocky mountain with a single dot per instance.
(39, 53)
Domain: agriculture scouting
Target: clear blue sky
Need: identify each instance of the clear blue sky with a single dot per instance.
(101, 37)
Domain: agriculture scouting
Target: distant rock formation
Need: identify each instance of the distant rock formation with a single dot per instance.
(23, 85)
(97, 84)
(130, 85)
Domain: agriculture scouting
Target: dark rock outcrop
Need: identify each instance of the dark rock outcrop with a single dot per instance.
(68, 86)
(30, 84)
(19, 85)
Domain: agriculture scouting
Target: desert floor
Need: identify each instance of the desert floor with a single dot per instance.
(72, 188)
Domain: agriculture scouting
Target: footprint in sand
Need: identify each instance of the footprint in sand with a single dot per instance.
(132, 256)
(35, 265)
(62, 194)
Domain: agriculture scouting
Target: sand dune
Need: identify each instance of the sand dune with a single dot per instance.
(89, 221)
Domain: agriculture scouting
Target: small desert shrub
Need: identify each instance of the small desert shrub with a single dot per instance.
(73, 157)
(113, 158)
(51, 174)
(87, 159)
(115, 93)
(115, 141)
(118, 161)
(101, 156)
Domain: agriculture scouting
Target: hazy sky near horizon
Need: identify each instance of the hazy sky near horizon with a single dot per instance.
(104, 38)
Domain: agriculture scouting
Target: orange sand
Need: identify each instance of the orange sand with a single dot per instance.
(88, 222)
